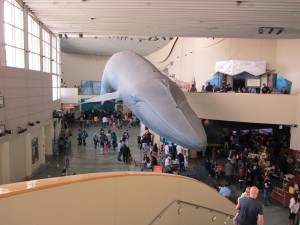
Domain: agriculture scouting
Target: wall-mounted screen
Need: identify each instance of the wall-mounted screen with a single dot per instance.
(253, 83)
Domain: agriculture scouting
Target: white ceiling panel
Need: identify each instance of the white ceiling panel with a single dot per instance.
(162, 18)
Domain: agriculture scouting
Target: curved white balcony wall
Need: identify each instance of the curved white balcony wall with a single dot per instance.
(243, 107)
(114, 198)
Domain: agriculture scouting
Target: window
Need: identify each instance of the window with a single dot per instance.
(55, 87)
(56, 79)
(58, 56)
(54, 55)
(46, 51)
(34, 44)
(14, 34)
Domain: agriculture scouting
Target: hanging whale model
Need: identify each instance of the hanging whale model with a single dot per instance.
(155, 99)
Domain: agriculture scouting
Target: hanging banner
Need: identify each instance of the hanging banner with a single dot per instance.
(234, 67)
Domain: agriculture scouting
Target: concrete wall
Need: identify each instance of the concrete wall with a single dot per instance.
(76, 67)
(28, 98)
(288, 66)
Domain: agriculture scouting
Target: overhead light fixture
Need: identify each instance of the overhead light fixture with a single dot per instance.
(66, 36)
(31, 124)
(279, 31)
(261, 30)
(80, 35)
(180, 210)
(38, 121)
(8, 131)
(21, 130)
(2, 130)
(271, 30)
(214, 218)
(60, 35)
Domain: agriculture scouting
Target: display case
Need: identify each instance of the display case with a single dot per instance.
(282, 195)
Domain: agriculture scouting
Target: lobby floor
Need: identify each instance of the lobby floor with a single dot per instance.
(87, 159)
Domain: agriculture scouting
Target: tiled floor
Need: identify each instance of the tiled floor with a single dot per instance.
(85, 159)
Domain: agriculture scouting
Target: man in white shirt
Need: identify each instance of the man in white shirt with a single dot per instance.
(167, 161)
(119, 150)
(179, 149)
(166, 148)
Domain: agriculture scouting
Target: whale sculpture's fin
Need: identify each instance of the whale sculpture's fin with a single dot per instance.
(103, 98)
(165, 82)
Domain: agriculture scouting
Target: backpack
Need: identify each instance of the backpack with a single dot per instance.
(95, 139)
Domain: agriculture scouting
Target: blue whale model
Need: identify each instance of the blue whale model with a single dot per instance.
(155, 99)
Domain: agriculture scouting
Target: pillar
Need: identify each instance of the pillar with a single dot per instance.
(4, 163)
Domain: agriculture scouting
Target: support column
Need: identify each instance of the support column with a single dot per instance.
(42, 147)
(295, 131)
(4, 163)
(49, 135)
(2, 38)
(28, 155)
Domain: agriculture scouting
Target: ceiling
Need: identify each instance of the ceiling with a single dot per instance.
(109, 26)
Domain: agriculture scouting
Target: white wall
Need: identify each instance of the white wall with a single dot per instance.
(288, 61)
(76, 67)
(252, 108)
(28, 98)
(196, 57)
(17, 154)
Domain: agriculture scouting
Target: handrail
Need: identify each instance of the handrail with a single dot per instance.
(228, 216)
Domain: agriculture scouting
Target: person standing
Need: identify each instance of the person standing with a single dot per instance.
(114, 140)
(267, 190)
(283, 91)
(229, 172)
(265, 89)
(95, 140)
(120, 150)
(294, 207)
(84, 136)
(214, 156)
(209, 87)
(126, 137)
(79, 136)
(166, 149)
(250, 210)
(126, 152)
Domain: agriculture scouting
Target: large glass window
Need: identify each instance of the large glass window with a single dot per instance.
(33, 44)
(58, 56)
(54, 55)
(14, 34)
(46, 51)
(55, 87)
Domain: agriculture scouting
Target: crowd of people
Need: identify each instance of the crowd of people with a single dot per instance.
(173, 158)
(228, 88)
